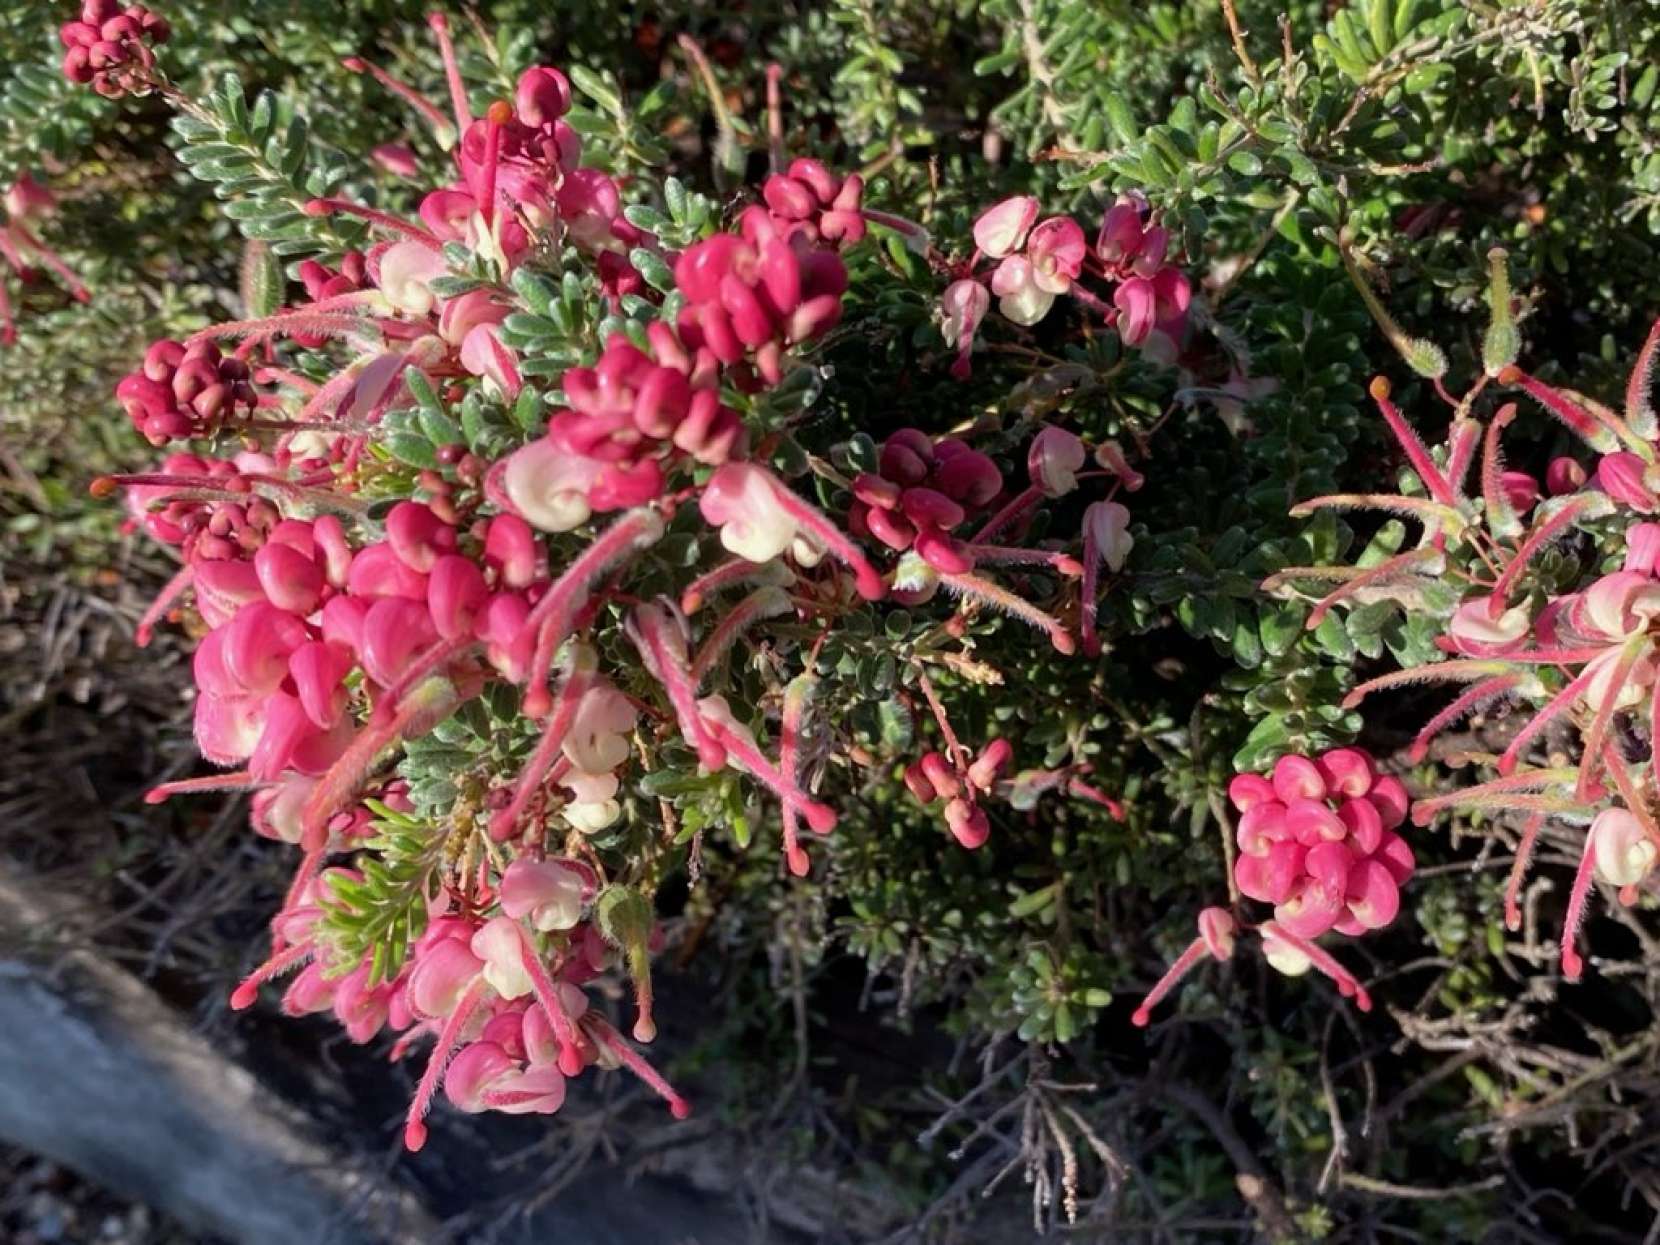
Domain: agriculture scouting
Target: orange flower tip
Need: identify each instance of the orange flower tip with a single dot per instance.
(1572, 966)
(499, 113)
(414, 1136)
(438, 22)
(1065, 645)
(354, 64)
(103, 486)
(242, 998)
(1363, 1001)
(680, 1108)
(1141, 1018)
(537, 703)
(1510, 374)
(645, 1030)
(156, 795)
(1379, 389)
(797, 862)
(317, 207)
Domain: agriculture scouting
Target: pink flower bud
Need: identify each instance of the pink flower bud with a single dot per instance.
(1328, 863)
(1261, 826)
(1311, 909)
(916, 780)
(395, 630)
(1002, 227)
(477, 1068)
(456, 593)
(941, 776)
(1216, 931)
(993, 760)
(318, 670)
(968, 477)
(290, 580)
(1054, 460)
(1372, 894)
(968, 823)
(442, 972)
(377, 571)
(1312, 821)
(1364, 824)
(417, 535)
(1642, 548)
(1621, 476)
(1564, 475)
(1246, 791)
(1520, 489)
(542, 97)
(1394, 854)
(1270, 878)
(1298, 777)
(549, 893)
(925, 507)
(1622, 851)
(943, 553)
(1389, 796)
(907, 457)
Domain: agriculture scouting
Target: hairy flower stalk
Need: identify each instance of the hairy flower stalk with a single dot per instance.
(425, 707)
(984, 591)
(554, 616)
(661, 642)
(796, 698)
(580, 666)
(449, 1037)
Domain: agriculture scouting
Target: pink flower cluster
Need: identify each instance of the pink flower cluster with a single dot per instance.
(960, 785)
(750, 295)
(184, 391)
(500, 994)
(627, 419)
(922, 491)
(110, 47)
(1317, 840)
(778, 281)
(1039, 262)
(1152, 295)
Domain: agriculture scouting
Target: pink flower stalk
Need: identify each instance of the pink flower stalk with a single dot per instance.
(660, 636)
(742, 750)
(1107, 540)
(1216, 939)
(554, 617)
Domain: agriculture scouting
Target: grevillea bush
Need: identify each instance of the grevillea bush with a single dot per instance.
(766, 493)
